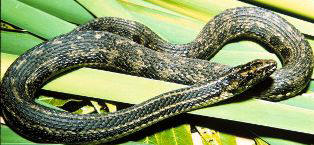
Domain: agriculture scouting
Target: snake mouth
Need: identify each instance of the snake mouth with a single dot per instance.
(265, 66)
(258, 67)
(251, 73)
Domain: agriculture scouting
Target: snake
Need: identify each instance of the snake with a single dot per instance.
(126, 46)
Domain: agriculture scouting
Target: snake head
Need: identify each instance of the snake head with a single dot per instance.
(247, 75)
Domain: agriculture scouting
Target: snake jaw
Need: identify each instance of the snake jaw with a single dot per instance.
(252, 73)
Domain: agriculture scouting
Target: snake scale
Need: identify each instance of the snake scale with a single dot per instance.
(126, 46)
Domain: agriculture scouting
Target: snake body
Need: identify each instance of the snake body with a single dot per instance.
(129, 47)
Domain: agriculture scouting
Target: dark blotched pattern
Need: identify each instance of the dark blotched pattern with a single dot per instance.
(129, 47)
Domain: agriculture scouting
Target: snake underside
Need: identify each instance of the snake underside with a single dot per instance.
(126, 46)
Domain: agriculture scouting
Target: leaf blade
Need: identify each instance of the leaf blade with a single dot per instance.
(33, 20)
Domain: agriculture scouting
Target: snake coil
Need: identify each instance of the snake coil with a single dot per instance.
(126, 46)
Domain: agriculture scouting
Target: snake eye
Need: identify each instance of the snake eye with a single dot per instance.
(255, 69)
(136, 39)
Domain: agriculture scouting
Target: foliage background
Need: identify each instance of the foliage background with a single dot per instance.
(26, 23)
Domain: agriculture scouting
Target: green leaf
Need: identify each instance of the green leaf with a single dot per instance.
(10, 137)
(33, 20)
(134, 143)
(17, 42)
(279, 141)
(212, 137)
(5, 63)
(85, 110)
(153, 139)
(204, 10)
(51, 102)
(176, 136)
(8, 26)
(259, 141)
(294, 7)
(209, 136)
(67, 10)
(180, 135)
(102, 8)
(227, 139)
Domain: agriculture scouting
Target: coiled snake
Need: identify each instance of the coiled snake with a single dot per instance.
(129, 47)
